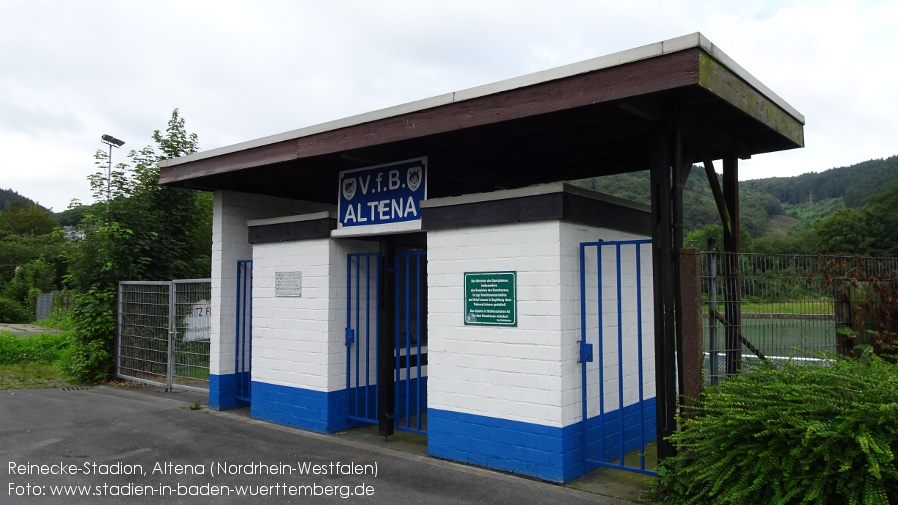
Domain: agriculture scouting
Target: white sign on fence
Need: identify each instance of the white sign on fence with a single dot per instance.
(198, 321)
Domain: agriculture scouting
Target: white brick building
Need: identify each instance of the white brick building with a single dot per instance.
(421, 268)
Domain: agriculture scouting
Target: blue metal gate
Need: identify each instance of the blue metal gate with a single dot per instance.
(411, 341)
(243, 349)
(362, 330)
(616, 351)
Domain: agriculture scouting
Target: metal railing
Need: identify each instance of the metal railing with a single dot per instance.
(163, 333)
(759, 306)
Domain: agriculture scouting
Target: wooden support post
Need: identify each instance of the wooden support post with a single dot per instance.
(665, 364)
(732, 285)
(679, 183)
(718, 193)
(691, 297)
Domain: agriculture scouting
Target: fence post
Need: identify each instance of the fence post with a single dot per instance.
(713, 365)
(732, 312)
(172, 322)
(116, 352)
(842, 315)
(691, 296)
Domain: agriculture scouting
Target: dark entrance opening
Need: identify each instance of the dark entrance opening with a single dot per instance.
(386, 334)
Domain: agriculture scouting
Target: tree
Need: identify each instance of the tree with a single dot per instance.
(143, 231)
(29, 280)
(797, 242)
(25, 218)
(845, 232)
(882, 219)
(17, 250)
(73, 215)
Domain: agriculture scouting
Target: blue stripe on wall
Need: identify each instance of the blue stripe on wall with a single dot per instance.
(303, 408)
(546, 452)
(223, 392)
(632, 433)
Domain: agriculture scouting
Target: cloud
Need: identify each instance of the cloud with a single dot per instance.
(240, 70)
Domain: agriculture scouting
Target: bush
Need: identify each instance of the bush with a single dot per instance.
(86, 362)
(89, 359)
(790, 434)
(12, 311)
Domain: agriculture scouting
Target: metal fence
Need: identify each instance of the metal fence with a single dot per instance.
(54, 304)
(777, 306)
(43, 306)
(163, 333)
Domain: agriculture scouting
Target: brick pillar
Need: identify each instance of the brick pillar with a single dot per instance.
(691, 296)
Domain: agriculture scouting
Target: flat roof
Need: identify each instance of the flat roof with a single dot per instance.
(478, 139)
(648, 51)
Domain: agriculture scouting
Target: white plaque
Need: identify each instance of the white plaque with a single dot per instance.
(288, 284)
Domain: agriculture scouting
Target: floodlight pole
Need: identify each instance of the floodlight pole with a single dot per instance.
(111, 142)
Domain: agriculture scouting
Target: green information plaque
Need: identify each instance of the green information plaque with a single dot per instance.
(491, 298)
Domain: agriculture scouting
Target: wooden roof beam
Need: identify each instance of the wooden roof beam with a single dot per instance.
(718, 79)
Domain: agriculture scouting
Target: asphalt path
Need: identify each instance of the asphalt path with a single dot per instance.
(119, 445)
(21, 330)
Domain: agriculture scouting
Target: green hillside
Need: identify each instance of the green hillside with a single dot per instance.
(8, 196)
(854, 184)
(699, 208)
(773, 207)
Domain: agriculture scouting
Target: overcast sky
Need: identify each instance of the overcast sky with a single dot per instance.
(72, 70)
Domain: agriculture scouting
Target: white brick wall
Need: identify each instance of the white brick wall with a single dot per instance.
(527, 373)
(290, 334)
(573, 235)
(300, 341)
(508, 372)
(231, 211)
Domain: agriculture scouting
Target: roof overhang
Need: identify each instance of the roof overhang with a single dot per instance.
(581, 120)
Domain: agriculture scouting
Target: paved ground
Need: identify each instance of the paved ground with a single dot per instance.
(21, 330)
(133, 440)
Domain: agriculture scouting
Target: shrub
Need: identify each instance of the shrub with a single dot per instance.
(12, 311)
(90, 357)
(790, 434)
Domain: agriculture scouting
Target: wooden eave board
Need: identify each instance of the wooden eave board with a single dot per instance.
(632, 79)
(722, 82)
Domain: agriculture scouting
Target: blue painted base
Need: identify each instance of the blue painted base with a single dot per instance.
(303, 408)
(638, 428)
(223, 392)
(411, 399)
(545, 452)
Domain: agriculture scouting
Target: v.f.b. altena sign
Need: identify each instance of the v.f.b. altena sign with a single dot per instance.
(383, 194)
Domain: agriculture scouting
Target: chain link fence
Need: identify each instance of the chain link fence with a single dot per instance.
(777, 306)
(163, 333)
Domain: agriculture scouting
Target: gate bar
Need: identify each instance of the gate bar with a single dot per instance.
(639, 338)
(407, 425)
(639, 355)
(244, 331)
(354, 336)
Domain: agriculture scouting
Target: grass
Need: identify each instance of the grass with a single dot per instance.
(32, 376)
(32, 361)
(58, 323)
